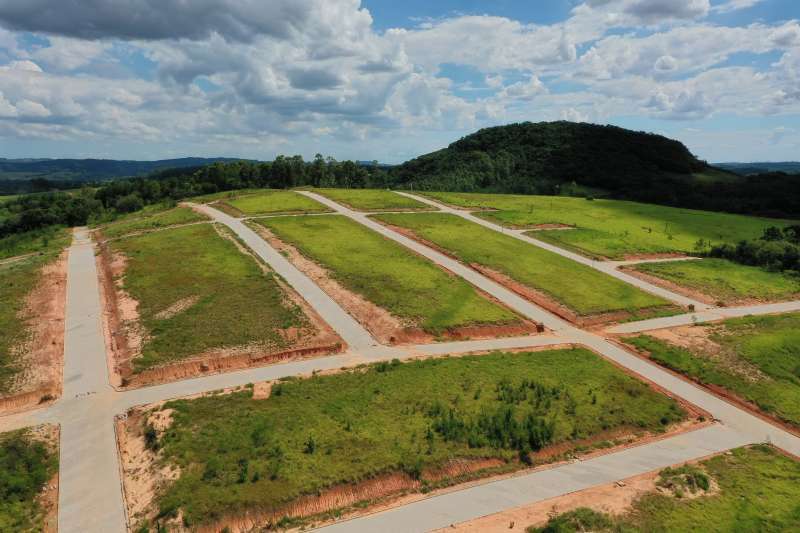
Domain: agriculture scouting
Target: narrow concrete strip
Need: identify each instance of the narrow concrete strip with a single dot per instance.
(345, 325)
(506, 296)
(507, 343)
(718, 313)
(736, 418)
(606, 267)
(90, 497)
(493, 497)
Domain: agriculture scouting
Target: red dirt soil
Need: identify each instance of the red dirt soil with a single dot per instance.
(42, 354)
(383, 491)
(124, 337)
(384, 326)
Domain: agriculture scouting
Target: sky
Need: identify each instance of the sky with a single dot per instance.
(388, 80)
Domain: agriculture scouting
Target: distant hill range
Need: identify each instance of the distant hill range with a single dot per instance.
(761, 167)
(15, 173)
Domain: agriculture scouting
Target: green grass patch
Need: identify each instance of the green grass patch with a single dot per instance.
(372, 199)
(40, 241)
(237, 454)
(17, 279)
(759, 490)
(156, 220)
(233, 303)
(726, 281)
(759, 360)
(271, 202)
(583, 289)
(26, 465)
(388, 274)
(613, 228)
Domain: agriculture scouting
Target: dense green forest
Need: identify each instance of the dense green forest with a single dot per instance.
(559, 157)
(543, 158)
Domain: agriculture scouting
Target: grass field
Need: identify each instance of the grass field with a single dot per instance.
(387, 274)
(237, 454)
(271, 202)
(151, 221)
(758, 359)
(227, 300)
(36, 241)
(26, 464)
(759, 490)
(581, 288)
(372, 199)
(17, 279)
(613, 228)
(726, 281)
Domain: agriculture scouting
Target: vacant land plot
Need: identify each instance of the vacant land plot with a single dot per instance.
(388, 277)
(613, 228)
(748, 489)
(190, 293)
(583, 290)
(33, 293)
(37, 241)
(333, 441)
(28, 464)
(269, 202)
(151, 221)
(719, 280)
(752, 358)
(373, 200)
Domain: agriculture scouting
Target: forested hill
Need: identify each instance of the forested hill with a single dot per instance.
(538, 157)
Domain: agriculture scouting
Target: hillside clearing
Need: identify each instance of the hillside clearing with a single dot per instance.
(188, 293)
(755, 489)
(612, 228)
(416, 292)
(416, 426)
(753, 358)
(582, 289)
(270, 202)
(373, 200)
(154, 220)
(724, 281)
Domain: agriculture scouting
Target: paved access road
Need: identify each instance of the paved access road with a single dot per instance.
(91, 497)
(609, 267)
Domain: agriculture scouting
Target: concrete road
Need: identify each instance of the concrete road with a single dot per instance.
(346, 326)
(489, 498)
(711, 315)
(608, 267)
(91, 499)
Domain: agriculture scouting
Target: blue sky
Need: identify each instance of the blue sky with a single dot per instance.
(391, 80)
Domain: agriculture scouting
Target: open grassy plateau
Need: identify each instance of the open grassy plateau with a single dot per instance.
(752, 359)
(611, 229)
(29, 480)
(33, 296)
(373, 200)
(747, 489)
(268, 202)
(397, 295)
(277, 454)
(188, 300)
(574, 291)
(719, 281)
(149, 219)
